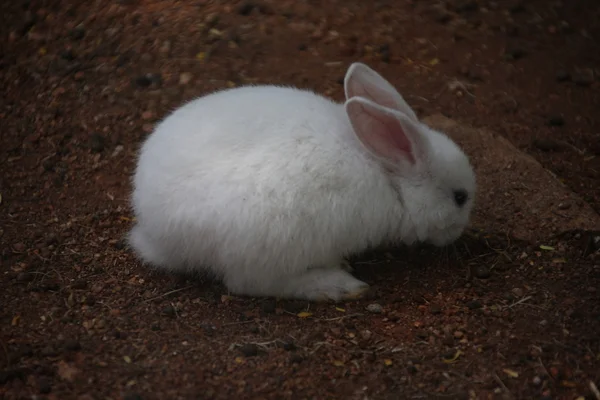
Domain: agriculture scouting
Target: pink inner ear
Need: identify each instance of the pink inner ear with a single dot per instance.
(373, 93)
(386, 136)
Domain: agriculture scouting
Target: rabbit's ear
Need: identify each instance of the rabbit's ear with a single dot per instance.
(362, 81)
(387, 133)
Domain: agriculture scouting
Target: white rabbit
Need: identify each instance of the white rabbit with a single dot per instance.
(270, 188)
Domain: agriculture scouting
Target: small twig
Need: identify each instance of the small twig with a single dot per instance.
(595, 390)
(238, 323)
(168, 293)
(497, 378)
(544, 367)
(340, 318)
(524, 299)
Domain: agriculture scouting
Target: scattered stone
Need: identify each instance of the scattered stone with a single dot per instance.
(518, 292)
(146, 80)
(474, 304)
(169, 311)
(481, 272)
(564, 206)
(249, 350)
(584, 77)
(185, 78)
(374, 308)
(78, 33)
(515, 53)
(133, 396)
(435, 309)
(72, 345)
(68, 55)
(537, 381)
(466, 6)
(146, 115)
(246, 8)
(289, 346)
(24, 277)
(546, 144)
(97, 142)
(562, 76)
(440, 14)
(268, 306)
(19, 247)
(384, 53)
(556, 120)
(458, 335)
(165, 48)
(44, 385)
(294, 306)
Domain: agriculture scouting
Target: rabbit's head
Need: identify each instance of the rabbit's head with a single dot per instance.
(432, 176)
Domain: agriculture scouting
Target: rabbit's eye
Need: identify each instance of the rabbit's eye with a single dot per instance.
(460, 197)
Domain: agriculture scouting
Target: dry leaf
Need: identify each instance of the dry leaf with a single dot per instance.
(304, 314)
(454, 358)
(338, 363)
(340, 309)
(387, 362)
(547, 248)
(127, 359)
(511, 373)
(67, 371)
(15, 320)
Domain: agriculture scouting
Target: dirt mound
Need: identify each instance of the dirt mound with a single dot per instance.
(516, 194)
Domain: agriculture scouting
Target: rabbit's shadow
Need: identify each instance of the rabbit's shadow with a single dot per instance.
(476, 255)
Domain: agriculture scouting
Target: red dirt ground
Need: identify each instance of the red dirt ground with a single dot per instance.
(490, 317)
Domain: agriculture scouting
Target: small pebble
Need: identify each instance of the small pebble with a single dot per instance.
(564, 206)
(536, 380)
(556, 120)
(246, 8)
(289, 346)
(133, 396)
(563, 76)
(249, 350)
(268, 306)
(296, 358)
(24, 277)
(72, 345)
(481, 272)
(44, 385)
(19, 247)
(474, 304)
(435, 309)
(518, 292)
(78, 33)
(458, 334)
(169, 311)
(546, 144)
(165, 48)
(515, 53)
(584, 77)
(97, 142)
(185, 78)
(374, 308)
(146, 115)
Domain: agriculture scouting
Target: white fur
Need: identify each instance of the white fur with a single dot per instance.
(270, 189)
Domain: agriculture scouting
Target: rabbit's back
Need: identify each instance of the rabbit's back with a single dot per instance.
(237, 177)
